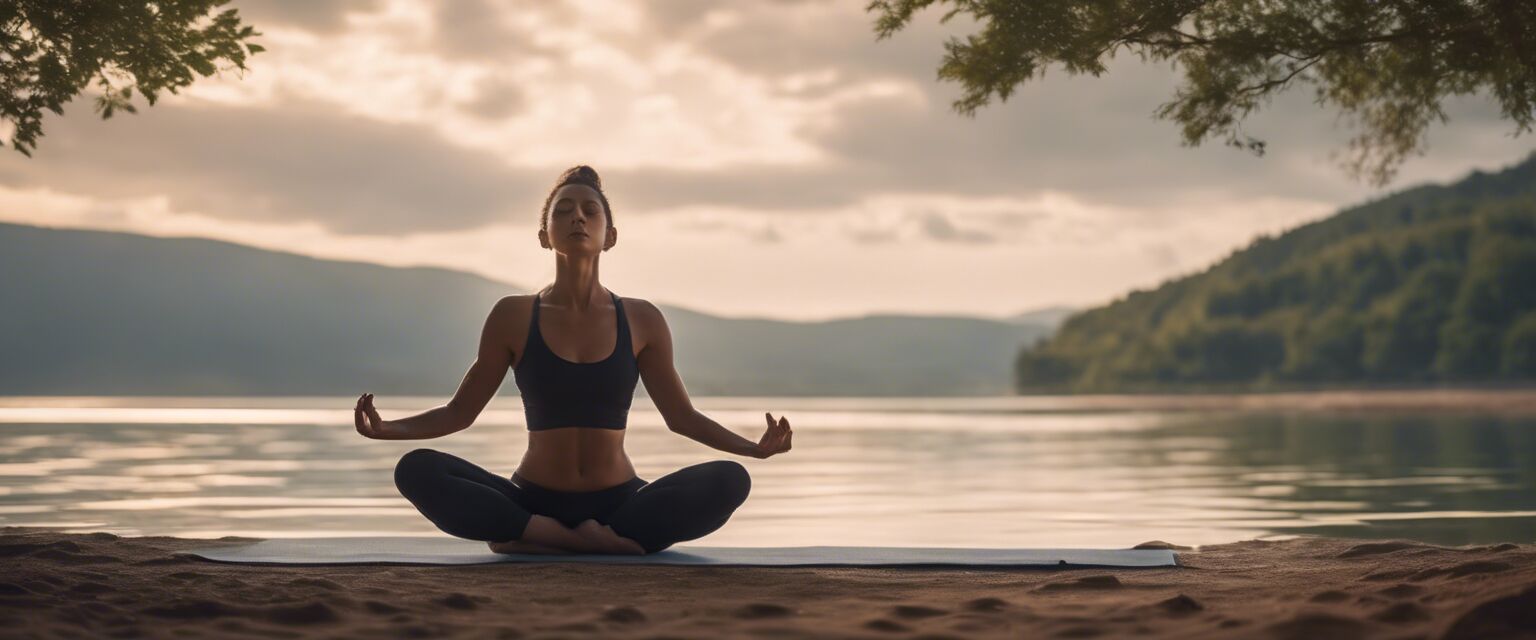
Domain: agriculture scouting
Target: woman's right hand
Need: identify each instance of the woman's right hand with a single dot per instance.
(369, 424)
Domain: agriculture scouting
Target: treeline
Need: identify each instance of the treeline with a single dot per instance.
(1434, 284)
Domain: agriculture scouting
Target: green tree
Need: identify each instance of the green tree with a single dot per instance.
(1469, 349)
(1403, 333)
(1385, 65)
(1327, 348)
(1520, 347)
(50, 50)
(1226, 352)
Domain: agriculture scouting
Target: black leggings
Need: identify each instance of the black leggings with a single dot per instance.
(467, 501)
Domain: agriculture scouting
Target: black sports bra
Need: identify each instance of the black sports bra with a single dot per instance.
(560, 393)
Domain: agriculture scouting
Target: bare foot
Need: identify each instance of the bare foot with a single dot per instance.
(518, 546)
(605, 540)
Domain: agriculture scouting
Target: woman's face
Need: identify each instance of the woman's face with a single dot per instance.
(578, 223)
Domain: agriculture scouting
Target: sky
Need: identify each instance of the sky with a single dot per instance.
(763, 158)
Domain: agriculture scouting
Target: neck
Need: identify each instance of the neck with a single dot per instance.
(576, 285)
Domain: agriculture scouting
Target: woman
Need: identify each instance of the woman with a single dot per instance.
(575, 489)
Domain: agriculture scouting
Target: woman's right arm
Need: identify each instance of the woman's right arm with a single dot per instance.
(475, 391)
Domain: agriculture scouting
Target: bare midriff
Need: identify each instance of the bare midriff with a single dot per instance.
(576, 459)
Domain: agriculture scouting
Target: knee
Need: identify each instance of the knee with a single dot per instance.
(732, 477)
(413, 464)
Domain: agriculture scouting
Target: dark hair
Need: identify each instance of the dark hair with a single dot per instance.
(579, 174)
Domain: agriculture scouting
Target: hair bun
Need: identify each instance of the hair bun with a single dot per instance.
(582, 173)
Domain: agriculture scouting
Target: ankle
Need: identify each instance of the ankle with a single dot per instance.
(547, 531)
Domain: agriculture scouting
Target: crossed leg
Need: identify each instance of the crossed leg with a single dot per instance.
(467, 501)
(461, 498)
(686, 504)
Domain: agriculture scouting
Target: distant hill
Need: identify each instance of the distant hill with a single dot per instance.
(1435, 284)
(1046, 317)
(92, 312)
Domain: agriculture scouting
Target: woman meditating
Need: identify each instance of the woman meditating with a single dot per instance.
(575, 489)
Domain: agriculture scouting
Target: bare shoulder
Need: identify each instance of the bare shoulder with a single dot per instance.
(645, 320)
(640, 306)
(512, 306)
(641, 311)
(507, 325)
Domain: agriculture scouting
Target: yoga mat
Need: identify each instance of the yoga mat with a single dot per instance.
(457, 551)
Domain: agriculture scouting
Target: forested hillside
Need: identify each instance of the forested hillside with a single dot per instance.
(1435, 284)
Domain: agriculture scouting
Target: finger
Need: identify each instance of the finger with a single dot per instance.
(357, 417)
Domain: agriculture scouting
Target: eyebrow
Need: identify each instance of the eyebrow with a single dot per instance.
(568, 198)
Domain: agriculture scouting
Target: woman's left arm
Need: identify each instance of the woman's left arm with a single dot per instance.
(701, 428)
(665, 387)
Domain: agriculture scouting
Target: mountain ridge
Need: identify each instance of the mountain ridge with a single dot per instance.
(94, 312)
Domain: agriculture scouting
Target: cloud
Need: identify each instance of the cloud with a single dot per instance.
(833, 122)
(299, 162)
(485, 31)
(938, 226)
(324, 17)
(1094, 137)
(869, 115)
(756, 229)
(495, 99)
(786, 38)
(872, 236)
(1164, 256)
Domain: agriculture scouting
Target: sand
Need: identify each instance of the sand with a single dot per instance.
(100, 585)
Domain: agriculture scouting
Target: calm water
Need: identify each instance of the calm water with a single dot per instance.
(996, 472)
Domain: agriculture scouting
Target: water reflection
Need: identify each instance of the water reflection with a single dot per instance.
(934, 472)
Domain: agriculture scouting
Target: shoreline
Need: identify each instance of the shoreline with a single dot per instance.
(1519, 402)
(103, 585)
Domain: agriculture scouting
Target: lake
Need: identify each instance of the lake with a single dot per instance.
(971, 472)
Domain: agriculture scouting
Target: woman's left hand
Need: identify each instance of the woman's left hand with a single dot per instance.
(776, 439)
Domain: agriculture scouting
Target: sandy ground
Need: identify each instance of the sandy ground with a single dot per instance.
(101, 585)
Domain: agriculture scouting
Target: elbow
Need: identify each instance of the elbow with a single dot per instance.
(460, 418)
